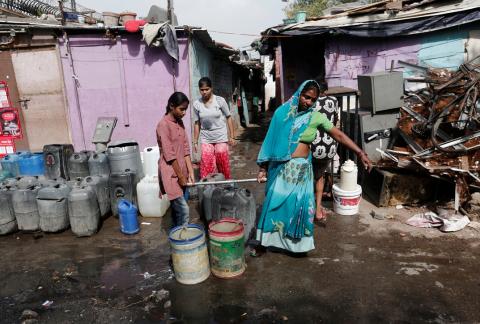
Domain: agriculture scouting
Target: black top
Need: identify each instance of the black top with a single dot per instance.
(324, 146)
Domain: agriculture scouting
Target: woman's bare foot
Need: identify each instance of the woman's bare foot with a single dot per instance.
(321, 214)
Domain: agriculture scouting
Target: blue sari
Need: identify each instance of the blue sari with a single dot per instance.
(288, 210)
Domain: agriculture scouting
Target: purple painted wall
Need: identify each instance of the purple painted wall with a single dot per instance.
(345, 58)
(122, 78)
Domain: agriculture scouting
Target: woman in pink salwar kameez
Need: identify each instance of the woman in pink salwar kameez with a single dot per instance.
(175, 165)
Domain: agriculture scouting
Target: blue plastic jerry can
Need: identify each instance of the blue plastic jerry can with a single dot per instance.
(128, 213)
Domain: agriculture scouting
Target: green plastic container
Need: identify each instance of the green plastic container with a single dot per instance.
(227, 248)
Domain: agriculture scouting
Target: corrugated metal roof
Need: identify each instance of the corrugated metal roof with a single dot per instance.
(8, 23)
(436, 8)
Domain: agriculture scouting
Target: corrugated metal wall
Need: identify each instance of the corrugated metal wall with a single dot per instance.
(347, 57)
(200, 66)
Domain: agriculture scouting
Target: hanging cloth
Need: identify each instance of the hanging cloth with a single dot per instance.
(158, 35)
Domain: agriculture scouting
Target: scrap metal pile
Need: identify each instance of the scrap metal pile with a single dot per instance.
(440, 125)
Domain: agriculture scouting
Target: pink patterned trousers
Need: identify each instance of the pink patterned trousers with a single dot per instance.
(215, 157)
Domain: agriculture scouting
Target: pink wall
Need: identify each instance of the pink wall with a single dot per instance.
(345, 58)
(123, 78)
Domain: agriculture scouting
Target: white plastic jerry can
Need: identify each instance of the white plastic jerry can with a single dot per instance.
(149, 202)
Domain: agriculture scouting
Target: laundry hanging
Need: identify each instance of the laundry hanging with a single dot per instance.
(158, 35)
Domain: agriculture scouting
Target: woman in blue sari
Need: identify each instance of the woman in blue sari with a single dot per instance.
(288, 210)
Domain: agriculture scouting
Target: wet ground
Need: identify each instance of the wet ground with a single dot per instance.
(362, 271)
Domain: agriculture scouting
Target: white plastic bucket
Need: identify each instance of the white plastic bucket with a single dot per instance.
(189, 254)
(346, 202)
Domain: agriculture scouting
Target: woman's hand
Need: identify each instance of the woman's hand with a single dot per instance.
(262, 176)
(232, 141)
(182, 181)
(365, 160)
(191, 178)
(195, 147)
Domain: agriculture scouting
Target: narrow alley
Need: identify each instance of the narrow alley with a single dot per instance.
(362, 270)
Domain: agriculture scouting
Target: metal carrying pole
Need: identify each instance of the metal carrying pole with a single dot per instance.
(220, 182)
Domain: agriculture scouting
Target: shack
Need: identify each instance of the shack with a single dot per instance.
(66, 76)
(373, 38)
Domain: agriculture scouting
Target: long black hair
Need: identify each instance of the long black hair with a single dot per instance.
(205, 81)
(176, 99)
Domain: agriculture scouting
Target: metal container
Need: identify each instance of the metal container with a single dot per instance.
(205, 193)
(381, 91)
(53, 208)
(8, 222)
(27, 181)
(235, 203)
(75, 183)
(51, 182)
(24, 203)
(10, 182)
(56, 158)
(125, 155)
(100, 184)
(122, 186)
(78, 165)
(98, 164)
(83, 211)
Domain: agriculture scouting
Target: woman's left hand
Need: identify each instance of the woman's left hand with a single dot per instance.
(232, 141)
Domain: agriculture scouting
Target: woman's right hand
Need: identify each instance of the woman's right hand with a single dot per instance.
(182, 181)
(262, 176)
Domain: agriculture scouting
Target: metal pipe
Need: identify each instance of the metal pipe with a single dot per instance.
(75, 86)
(123, 82)
(356, 124)
(221, 182)
(170, 11)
